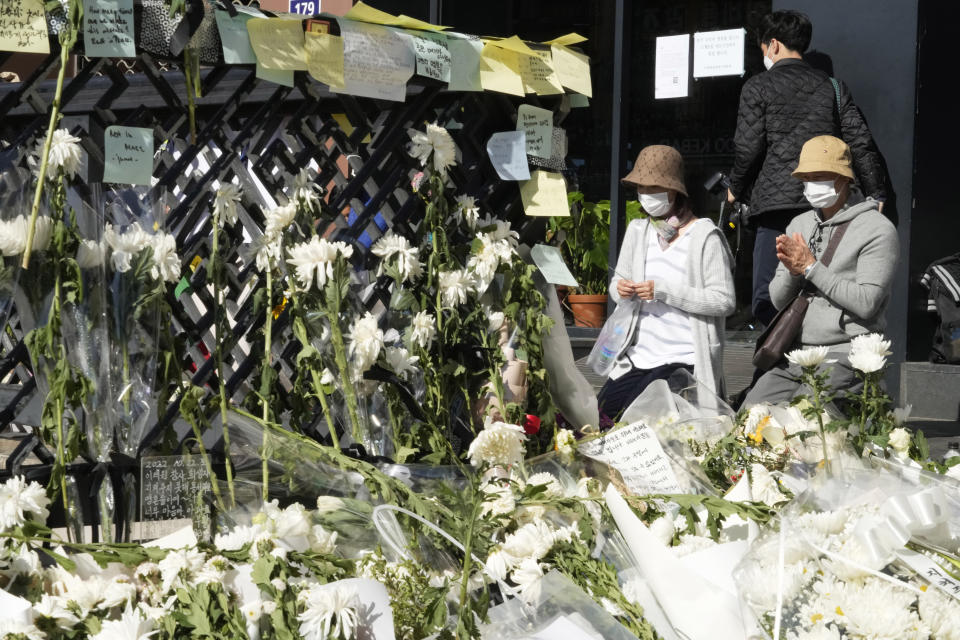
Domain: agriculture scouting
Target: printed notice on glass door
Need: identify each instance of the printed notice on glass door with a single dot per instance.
(672, 67)
(718, 53)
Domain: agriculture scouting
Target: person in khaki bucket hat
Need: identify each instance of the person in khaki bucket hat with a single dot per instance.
(673, 282)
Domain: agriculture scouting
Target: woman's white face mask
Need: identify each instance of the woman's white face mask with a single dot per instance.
(821, 194)
(655, 204)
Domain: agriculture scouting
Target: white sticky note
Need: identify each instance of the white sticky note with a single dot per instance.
(508, 154)
(465, 64)
(108, 29)
(128, 155)
(537, 123)
(431, 52)
(718, 53)
(376, 61)
(636, 453)
(550, 262)
(672, 74)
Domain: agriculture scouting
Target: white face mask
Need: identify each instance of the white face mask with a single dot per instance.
(820, 194)
(655, 204)
(767, 62)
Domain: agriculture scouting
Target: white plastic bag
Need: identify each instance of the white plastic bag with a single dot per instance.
(613, 338)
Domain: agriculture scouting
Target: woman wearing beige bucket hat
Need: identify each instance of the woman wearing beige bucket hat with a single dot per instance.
(675, 270)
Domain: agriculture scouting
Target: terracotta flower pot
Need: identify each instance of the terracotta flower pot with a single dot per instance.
(588, 310)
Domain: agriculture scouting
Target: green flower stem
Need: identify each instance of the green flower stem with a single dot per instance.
(863, 406)
(465, 609)
(265, 384)
(215, 268)
(53, 321)
(340, 357)
(206, 461)
(45, 156)
(191, 64)
(318, 386)
(810, 372)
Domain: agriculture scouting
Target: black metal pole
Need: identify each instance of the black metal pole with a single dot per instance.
(435, 10)
(618, 143)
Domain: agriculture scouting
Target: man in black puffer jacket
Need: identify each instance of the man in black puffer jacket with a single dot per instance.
(779, 111)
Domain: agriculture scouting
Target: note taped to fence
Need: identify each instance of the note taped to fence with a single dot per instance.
(234, 36)
(365, 13)
(537, 123)
(636, 453)
(538, 74)
(465, 64)
(23, 26)
(567, 40)
(550, 262)
(545, 194)
(325, 58)
(278, 43)
(108, 29)
(128, 155)
(277, 76)
(431, 53)
(573, 69)
(508, 155)
(500, 70)
(376, 61)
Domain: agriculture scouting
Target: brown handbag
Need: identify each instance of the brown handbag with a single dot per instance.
(782, 331)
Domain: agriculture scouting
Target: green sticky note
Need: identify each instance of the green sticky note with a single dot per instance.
(182, 286)
(465, 64)
(128, 155)
(551, 265)
(108, 29)
(578, 101)
(279, 76)
(234, 35)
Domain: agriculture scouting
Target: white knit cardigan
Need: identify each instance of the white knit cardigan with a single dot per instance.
(707, 294)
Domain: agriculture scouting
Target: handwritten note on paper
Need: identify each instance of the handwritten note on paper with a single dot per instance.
(537, 123)
(278, 43)
(718, 53)
(545, 194)
(325, 58)
(128, 155)
(636, 453)
(508, 154)
(550, 262)
(276, 76)
(376, 61)
(538, 74)
(465, 64)
(234, 35)
(573, 69)
(23, 26)
(108, 29)
(672, 67)
(500, 70)
(431, 53)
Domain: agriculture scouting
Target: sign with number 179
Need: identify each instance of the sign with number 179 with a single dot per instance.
(305, 7)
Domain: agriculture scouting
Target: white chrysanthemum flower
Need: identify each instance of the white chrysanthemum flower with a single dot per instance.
(866, 361)
(871, 343)
(437, 141)
(499, 564)
(328, 613)
(366, 341)
(763, 487)
(495, 320)
(566, 442)
(126, 245)
(290, 526)
(13, 235)
(612, 607)
(55, 608)
(500, 230)
(553, 487)
(422, 330)
(467, 211)
(90, 254)
(498, 499)
(498, 443)
(455, 287)
(664, 528)
(321, 540)
(10, 628)
(179, 566)
(214, 570)
(634, 590)
(818, 631)
(237, 537)
(900, 440)
(268, 253)
(809, 357)
(400, 361)
(278, 219)
(407, 260)
(902, 414)
(878, 609)
(65, 153)
(532, 540)
(252, 611)
(690, 543)
(132, 625)
(225, 203)
(19, 498)
(305, 190)
(941, 614)
(166, 262)
(526, 576)
(316, 258)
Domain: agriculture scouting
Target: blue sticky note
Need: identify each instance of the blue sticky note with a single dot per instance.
(128, 155)
(234, 35)
(508, 154)
(550, 262)
(108, 30)
(279, 76)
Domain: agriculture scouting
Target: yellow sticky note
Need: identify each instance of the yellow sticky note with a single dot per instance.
(278, 43)
(500, 70)
(23, 26)
(545, 194)
(365, 13)
(538, 74)
(325, 58)
(346, 127)
(567, 40)
(573, 69)
(513, 43)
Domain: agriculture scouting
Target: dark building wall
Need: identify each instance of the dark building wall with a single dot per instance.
(872, 46)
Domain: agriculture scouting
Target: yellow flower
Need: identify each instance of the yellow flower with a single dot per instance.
(757, 435)
(840, 611)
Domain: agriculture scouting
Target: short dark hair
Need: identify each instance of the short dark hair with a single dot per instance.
(791, 28)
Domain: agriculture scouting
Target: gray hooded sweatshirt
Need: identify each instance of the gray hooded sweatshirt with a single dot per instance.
(851, 294)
